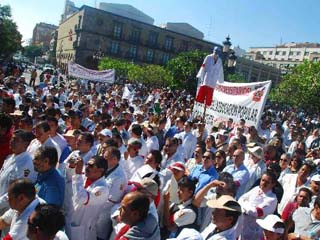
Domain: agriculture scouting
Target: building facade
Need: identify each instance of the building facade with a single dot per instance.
(42, 34)
(286, 55)
(91, 33)
(253, 71)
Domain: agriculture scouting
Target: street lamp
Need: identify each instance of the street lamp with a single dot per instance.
(97, 56)
(229, 58)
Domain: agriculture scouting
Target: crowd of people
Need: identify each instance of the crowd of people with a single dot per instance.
(81, 160)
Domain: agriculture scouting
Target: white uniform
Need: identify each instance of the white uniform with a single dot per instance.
(117, 184)
(87, 204)
(152, 143)
(255, 172)
(35, 144)
(19, 222)
(14, 167)
(189, 144)
(256, 204)
(210, 73)
(131, 165)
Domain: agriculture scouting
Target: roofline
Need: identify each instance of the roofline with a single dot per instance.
(96, 9)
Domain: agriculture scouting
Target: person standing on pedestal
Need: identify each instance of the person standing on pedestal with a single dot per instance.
(210, 73)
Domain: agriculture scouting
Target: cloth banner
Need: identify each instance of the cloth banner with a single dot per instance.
(236, 101)
(78, 71)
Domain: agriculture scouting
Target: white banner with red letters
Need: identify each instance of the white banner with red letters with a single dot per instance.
(236, 101)
(78, 71)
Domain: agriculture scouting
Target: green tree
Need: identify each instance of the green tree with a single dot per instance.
(236, 78)
(300, 88)
(33, 51)
(10, 37)
(184, 67)
(121, 67)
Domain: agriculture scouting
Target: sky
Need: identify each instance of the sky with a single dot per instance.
(250, 23)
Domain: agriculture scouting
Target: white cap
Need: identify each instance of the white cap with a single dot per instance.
(316, 178)
(269, 223)
(106, 133)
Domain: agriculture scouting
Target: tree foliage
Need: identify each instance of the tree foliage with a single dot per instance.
(184, 67)
(33, 51)
(236, 78)
(300, 88)
(10, 37)
(147, 74)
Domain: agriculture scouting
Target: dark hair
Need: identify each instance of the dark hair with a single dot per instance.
(23, 135)
(100, 162)
(140, 202)
(188, 183)
(43, 125)
(317, 202)
(53, 119)
(5, 122)
(9, 101)
(136, 129)
(306, 190)
(310, 165)
(157, 156)
(115, 152)
(22, 186)
(50, 153)
(88, 137)
(49, 219)
(234, 214)
(111, 142)
(272, 175)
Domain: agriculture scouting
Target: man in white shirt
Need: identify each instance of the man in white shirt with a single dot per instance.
(22, 201)
(17, 165)
(42, 139)
(224, 219)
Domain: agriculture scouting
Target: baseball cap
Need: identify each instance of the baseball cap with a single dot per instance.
(150, 185)
(225, 202)
(178, 166)
(105, 133)
(272, 223)
(316, 178)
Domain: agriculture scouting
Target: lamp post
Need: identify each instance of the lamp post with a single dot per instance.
(97, 56)
(229, 58)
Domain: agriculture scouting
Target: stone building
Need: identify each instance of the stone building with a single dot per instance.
(91, 33)
(286, 55)
(42, 34)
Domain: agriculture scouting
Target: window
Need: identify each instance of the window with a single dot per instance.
(290, 53)
(277, 52)
(168, 43)
(165, 58)
(315, 59)
(153, 38)
(298, 53)
(133, 52)
(114, 48)
(283, 53)
(264, 52)
(135, 35)
(184, 46)
(117, 30)
(271, 52)
(150, 54)
(306, 53)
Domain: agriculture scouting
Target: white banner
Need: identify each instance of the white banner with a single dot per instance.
(78, 71)
(236, 101)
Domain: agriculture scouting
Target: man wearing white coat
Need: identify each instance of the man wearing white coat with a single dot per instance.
(116, 180)
(17, 165)
(210, 73)
(90, 192)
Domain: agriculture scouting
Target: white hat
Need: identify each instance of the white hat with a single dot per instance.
(316, 178)
(188, 234)
(257, 151)
(106, 132)
(269, 223)
(225, 202)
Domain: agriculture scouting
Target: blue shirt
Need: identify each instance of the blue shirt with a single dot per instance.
(50, 187)
(203, 176)
(240, 176)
